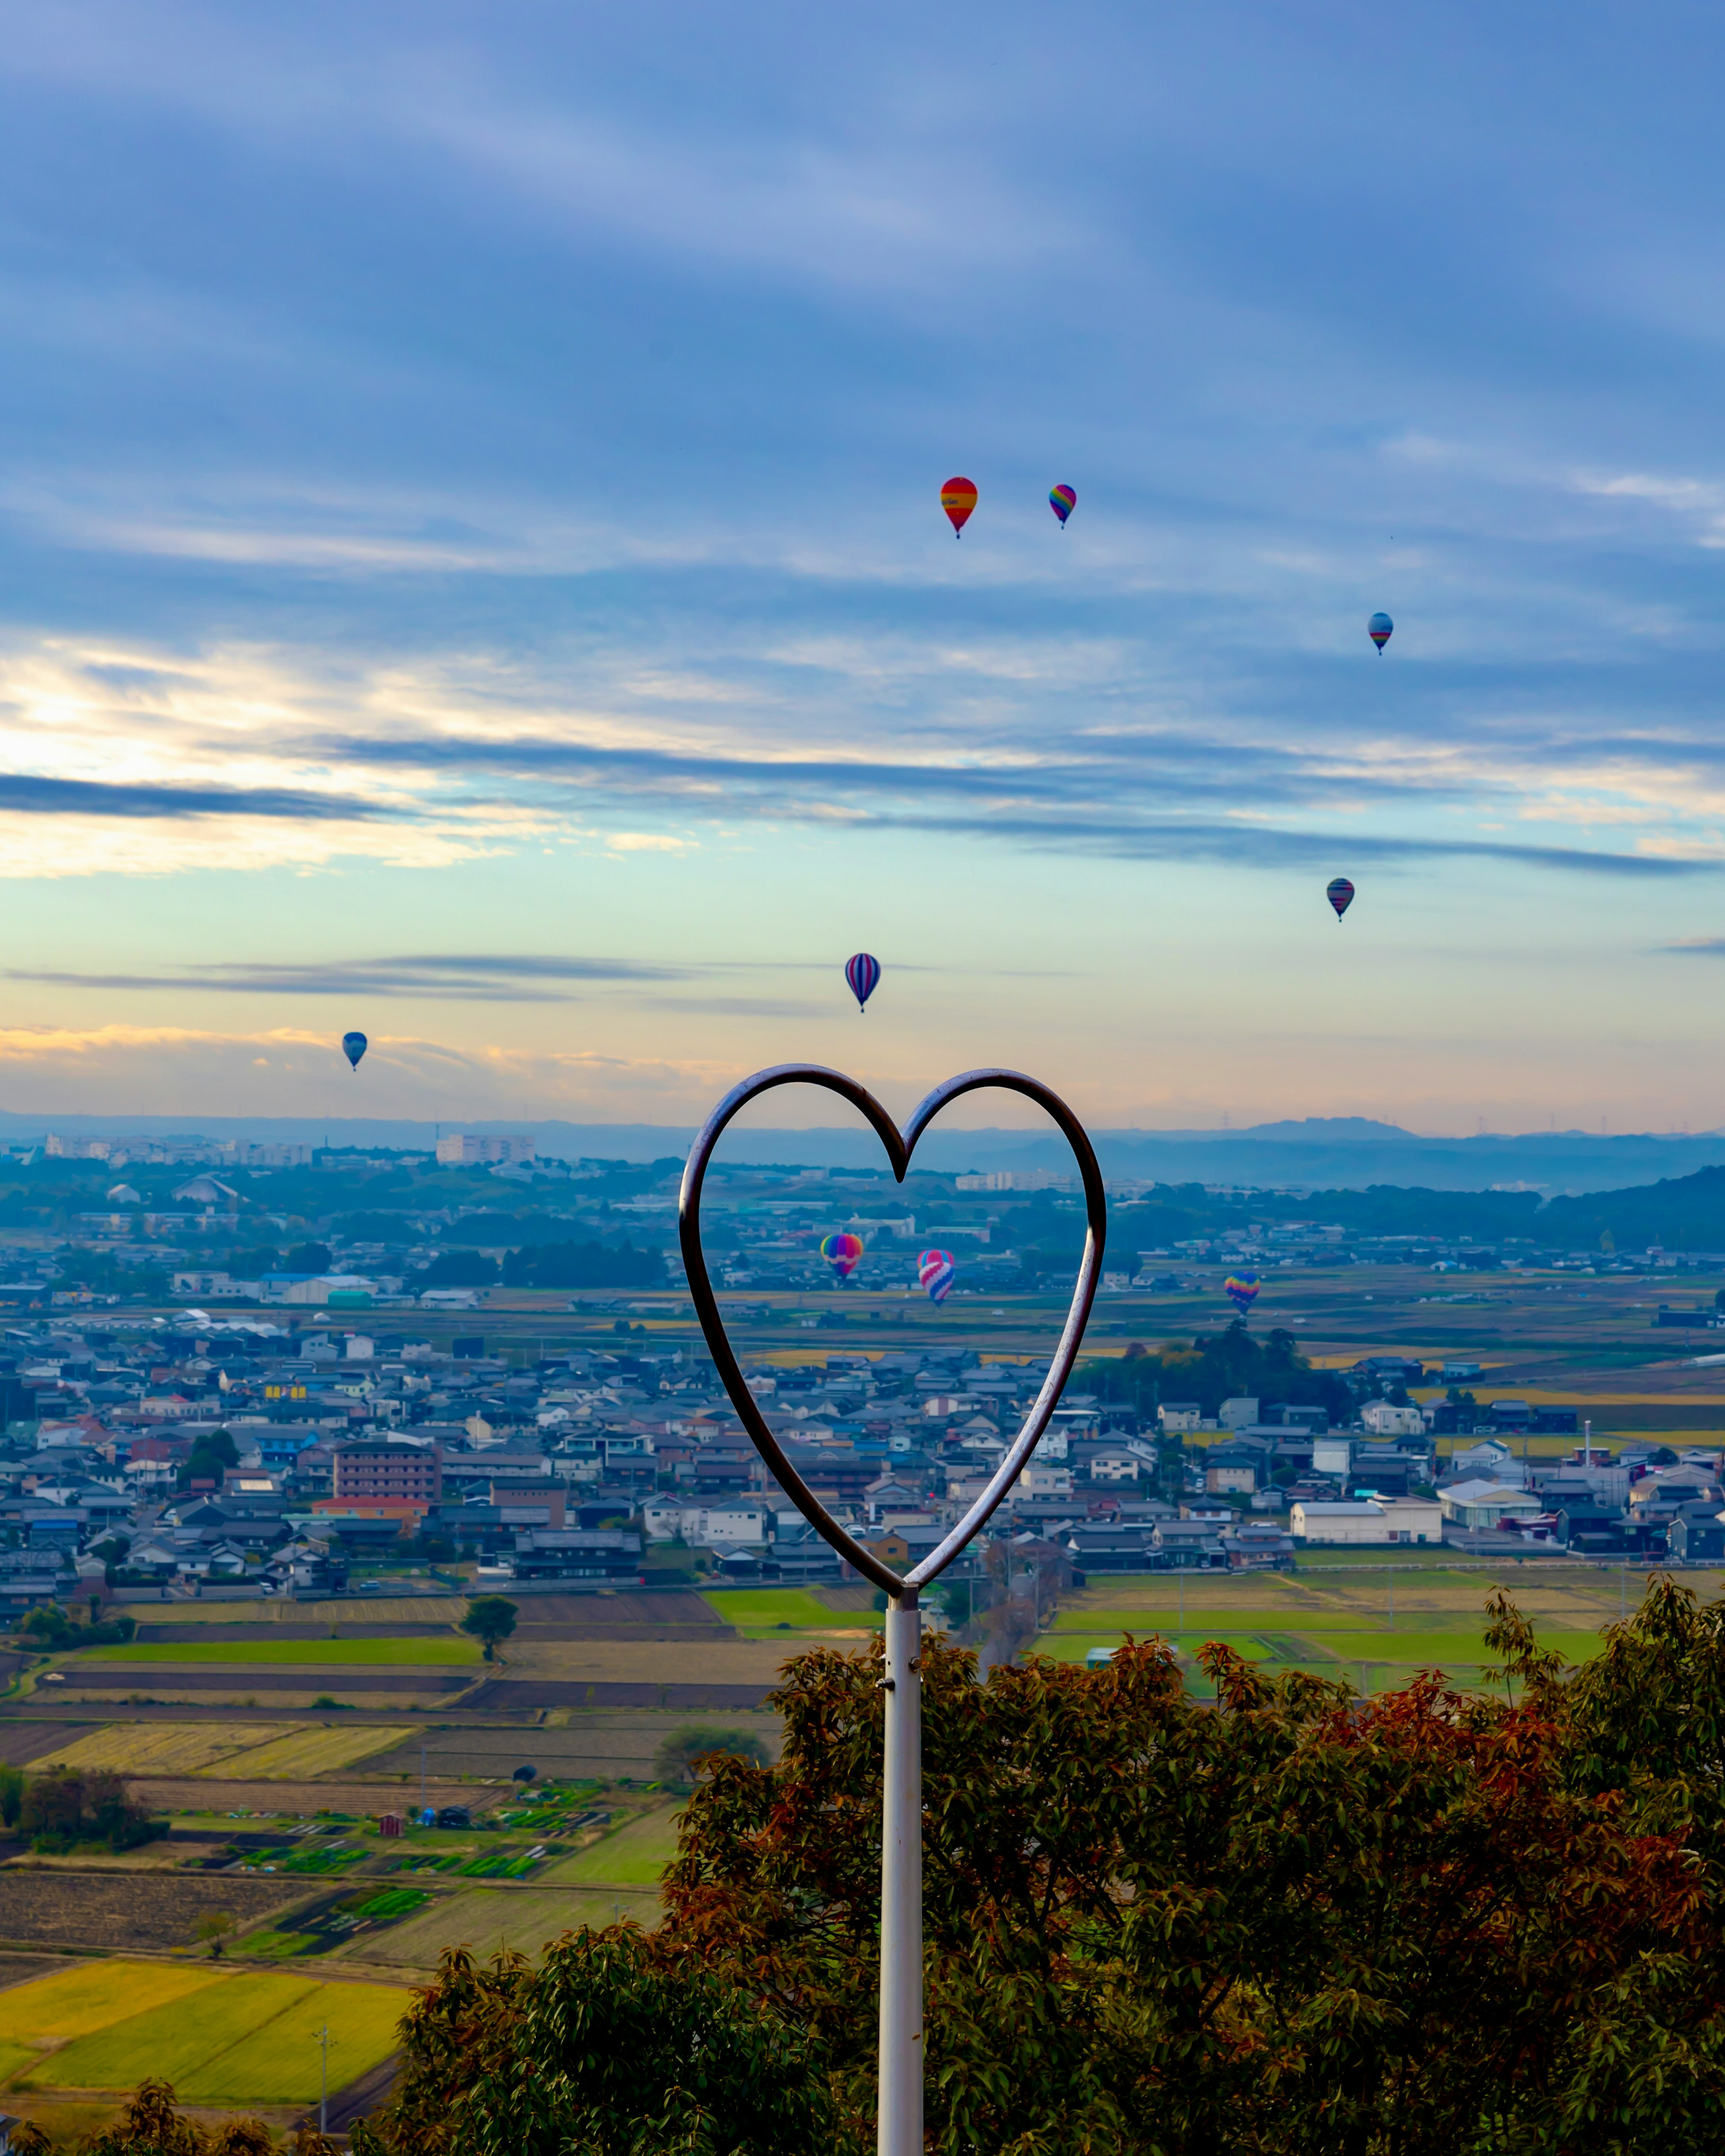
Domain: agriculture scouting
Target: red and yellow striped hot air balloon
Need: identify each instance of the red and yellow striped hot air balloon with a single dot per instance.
(958, 498)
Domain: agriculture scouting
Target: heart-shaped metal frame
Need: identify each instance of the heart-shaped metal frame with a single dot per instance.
(899, 1150)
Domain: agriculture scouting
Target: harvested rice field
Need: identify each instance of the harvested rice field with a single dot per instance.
(225, 1751)
(116, 1910)
(164, 1748)
(304, 1752)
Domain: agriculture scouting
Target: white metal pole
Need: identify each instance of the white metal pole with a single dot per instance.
(900, 2115)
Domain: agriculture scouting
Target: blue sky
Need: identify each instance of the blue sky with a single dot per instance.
(471, 567)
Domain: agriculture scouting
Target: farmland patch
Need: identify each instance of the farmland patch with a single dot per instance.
(333, 1654)
(633, 1856)
(91, 1995)
(163, 1747)
(306, 1752)
(487, 1919)
(114, 1909)
(250, 2039)
(22, 1743)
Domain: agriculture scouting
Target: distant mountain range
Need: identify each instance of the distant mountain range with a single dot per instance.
(1335, 1152)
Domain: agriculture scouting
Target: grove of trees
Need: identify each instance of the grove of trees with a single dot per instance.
(1284, 1921)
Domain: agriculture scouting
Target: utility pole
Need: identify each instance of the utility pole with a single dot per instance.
(323, 2099)
(1392, 1598)
(423, 1805)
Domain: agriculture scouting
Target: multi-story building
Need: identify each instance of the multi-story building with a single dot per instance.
(382, 1470)
(461, 1149)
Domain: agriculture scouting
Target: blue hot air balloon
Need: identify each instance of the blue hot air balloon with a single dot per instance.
(1379, 629)
(353, 1046)
(864, 974)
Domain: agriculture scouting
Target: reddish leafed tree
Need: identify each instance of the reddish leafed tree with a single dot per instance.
(1283, 1921)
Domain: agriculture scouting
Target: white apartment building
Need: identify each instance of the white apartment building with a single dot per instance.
(1368, 1522)
(1384, 1421)
(461, 1149)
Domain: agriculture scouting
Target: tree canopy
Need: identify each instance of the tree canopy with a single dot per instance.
(1233, 1364)
(1281, 1922)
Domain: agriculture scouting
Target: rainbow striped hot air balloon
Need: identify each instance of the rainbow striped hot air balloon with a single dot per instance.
(1063, 500)
(1380, 629)
(863, 973)
(935, 1270)
(841, 1252)
(1241, 1290)
(958, 498)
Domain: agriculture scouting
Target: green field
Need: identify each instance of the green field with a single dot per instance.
(1334, 1651)
(486, 1919)
(633, 1856)
(766, 1609)
(248, 2040)
(93, 1995)
(281, 2061)
(307, 1654)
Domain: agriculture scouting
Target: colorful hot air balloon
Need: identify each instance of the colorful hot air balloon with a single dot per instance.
(1063, 500)
(353, 1046)
(935, 1269)
(958, 498)
(841, 1252)
(1340, 894)
(863, 973)
(1378, 629)
(1241, 1290)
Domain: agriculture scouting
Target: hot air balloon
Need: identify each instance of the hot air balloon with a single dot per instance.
(1241, 1290)
(1063, 500)
(958, 498)
(353, 1046)
(1340, 894)
(1378, 629)
(935, 1269)
(863, 973)
(841, 1252)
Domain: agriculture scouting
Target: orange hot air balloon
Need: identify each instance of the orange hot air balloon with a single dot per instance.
(958, 498)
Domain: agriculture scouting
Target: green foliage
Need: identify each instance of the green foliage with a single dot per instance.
(677, 1758)
(11, 1794)
(64, 1808)
(1282, 1923)
(1217, 1365)
(151, 2126)
(457, 1269)
(582, 1265)
(51, 1627)
(602, 2052)
(490, 1619)
(213, 1456)
(308, 1258)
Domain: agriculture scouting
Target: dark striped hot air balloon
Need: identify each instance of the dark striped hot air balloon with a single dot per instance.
(1340, 894)
(864, 974)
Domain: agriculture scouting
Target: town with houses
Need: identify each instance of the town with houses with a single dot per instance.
(320, 1398)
